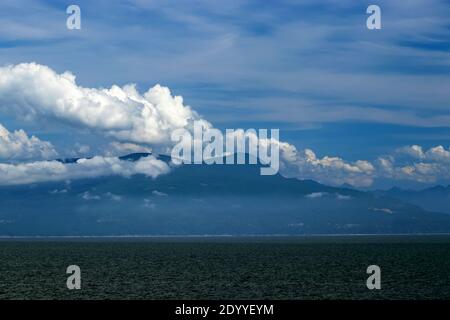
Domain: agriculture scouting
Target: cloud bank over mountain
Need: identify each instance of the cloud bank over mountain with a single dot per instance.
(46, 171)
(330, 170)
(139, 122)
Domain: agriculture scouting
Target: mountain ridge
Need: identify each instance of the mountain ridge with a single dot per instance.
(206, 199)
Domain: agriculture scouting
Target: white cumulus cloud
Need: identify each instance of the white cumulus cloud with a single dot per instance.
(415, 164)
(140, 122)
(330, 170)
(18, 145)
(35, 91)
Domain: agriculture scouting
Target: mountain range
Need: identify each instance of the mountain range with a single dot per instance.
(215, 200)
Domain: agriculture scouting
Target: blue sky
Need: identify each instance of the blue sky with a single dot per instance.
(310, 68)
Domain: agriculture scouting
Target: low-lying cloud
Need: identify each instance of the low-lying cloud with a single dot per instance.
(47, 171)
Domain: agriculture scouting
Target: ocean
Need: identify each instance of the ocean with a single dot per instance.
(310, 267)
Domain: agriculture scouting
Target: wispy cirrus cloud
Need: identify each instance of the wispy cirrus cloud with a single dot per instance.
(315, 55)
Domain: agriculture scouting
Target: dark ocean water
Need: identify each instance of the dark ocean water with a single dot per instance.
(412, 267)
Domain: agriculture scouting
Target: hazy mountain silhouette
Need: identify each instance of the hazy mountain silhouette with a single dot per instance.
(434, 199)
(206, 199)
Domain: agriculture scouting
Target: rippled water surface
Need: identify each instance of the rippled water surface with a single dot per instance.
(227, 268)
